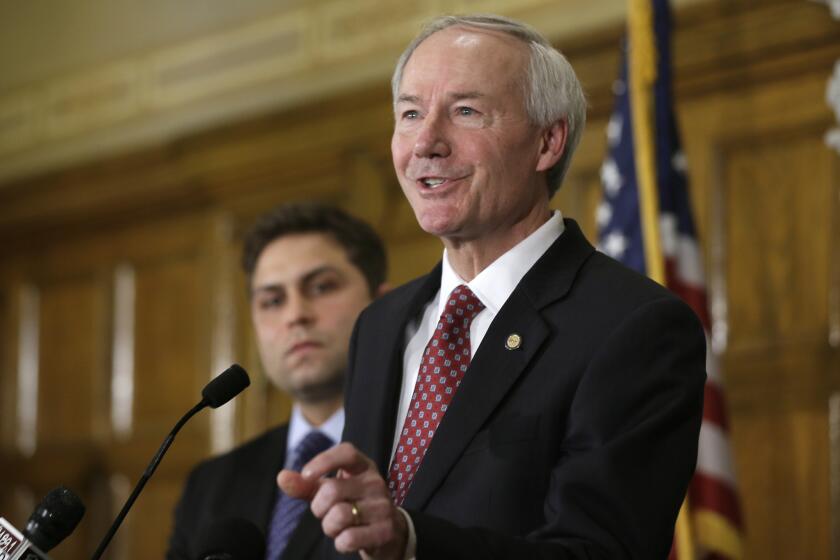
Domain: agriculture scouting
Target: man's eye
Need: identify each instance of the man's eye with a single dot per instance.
(270, 302)
(410, 115)
(466, 111)
(323, 287)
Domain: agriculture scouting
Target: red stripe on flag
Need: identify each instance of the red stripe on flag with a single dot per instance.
(695, 297)
(714, 406)
(709, 493)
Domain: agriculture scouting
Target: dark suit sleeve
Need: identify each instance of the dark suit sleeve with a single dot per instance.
(628, 453)
(184, 526)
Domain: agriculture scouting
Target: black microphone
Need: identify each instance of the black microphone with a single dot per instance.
(13, 545)
(232, 539)
(53, 520)
(225, 386)
(220, 390)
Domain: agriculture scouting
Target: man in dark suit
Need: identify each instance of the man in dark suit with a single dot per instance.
(530, 397)
(311, 269)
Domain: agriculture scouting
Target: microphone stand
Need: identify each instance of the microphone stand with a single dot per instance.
(147, 474)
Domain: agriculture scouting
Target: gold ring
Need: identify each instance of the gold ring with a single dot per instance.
(357, 513)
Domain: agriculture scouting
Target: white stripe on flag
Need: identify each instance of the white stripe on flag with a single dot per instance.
(683, 249)
(713, 457)
(712, 365)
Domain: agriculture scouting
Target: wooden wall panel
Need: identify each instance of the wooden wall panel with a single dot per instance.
(170, 297)
(71, 352)
(784, 463)
(778, 198)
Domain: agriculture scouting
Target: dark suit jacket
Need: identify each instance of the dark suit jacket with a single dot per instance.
(241, 483)
(578, 444)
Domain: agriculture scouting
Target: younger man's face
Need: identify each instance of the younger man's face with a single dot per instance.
(305, 298)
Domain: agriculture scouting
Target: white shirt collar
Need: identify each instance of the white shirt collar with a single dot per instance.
(299, 427)
(494, 284)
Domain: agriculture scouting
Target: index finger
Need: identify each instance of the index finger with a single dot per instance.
(343, 456)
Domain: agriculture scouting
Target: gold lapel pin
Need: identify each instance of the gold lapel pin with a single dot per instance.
(513, 342)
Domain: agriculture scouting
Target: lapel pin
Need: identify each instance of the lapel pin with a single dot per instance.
(513, 342)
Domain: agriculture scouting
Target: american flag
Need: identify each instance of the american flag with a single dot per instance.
(710, 525)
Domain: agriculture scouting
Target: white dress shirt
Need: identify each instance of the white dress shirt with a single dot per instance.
(492, 286)
(299, 427)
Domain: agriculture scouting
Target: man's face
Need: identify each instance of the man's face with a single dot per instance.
(464, 149)
(305, 298)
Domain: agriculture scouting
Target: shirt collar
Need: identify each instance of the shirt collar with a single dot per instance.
(299, 427)
(494, 284)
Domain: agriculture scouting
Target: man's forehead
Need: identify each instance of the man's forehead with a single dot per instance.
(461, 51)
(468, 38)
(293, 257)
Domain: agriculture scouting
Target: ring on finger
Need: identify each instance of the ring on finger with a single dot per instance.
(356, 512)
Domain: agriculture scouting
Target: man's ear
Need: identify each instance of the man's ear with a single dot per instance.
(552, 145)
(383, 289)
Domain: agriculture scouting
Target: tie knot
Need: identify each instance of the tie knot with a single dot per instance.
(463, 302)
(314, 442)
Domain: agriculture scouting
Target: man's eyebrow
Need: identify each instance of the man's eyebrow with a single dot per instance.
(405, 98)
(457, 96)
(266, 288)
(318, 271)
(306, 277)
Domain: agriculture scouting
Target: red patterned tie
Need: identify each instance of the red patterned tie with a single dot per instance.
(442, 367)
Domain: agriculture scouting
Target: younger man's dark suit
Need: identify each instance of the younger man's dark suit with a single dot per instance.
(579, 443)
(241, 483)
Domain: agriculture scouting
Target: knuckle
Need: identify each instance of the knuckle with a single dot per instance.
(346, 542)
(346, 448)
(329, 527)
(381, 534)
(329, 490)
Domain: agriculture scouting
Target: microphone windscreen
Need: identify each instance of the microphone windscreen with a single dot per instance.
(225, 386)
(54, 519)
(232, 539)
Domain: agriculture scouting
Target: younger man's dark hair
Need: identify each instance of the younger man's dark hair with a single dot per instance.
(364, 247)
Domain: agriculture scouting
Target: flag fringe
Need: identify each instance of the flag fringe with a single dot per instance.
(715, 533)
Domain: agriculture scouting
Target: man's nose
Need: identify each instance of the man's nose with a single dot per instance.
(432, 140)
(299, 310)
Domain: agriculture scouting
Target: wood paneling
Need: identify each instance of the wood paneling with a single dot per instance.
(164, 225)
(778, 193)
(785, 505)
(71, 350)
(168, 332)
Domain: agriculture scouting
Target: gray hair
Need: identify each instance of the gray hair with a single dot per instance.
(552, 90)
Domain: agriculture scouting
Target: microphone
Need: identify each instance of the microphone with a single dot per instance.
(220, 390)
(53, 520)
(225, 386)
(13, 545)
(232, 539)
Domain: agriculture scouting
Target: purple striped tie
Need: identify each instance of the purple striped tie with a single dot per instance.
(287, 511)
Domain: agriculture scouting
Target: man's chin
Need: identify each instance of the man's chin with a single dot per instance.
(319, 391)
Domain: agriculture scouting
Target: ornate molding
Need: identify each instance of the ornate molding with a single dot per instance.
(317, 48)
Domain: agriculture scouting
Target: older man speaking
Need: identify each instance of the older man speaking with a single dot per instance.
(530, 397)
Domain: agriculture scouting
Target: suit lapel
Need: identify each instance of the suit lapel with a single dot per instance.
(262, 487)
(494, 369)
(304, 538)
(377, 435)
